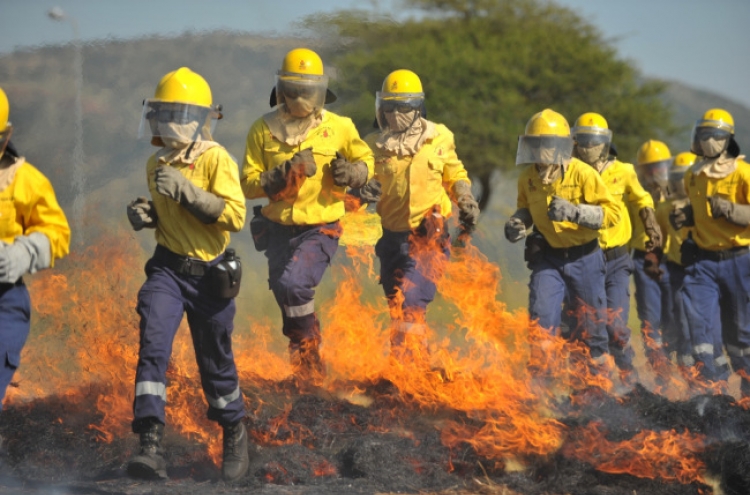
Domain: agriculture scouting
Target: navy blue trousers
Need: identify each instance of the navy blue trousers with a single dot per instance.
(653, 303)
(15, 322)
(617, 288)
(162, 301)
(719, 287)
(583, 281)
(298, 256)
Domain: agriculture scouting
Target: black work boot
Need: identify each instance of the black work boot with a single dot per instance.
(149, 463)
(236, 459)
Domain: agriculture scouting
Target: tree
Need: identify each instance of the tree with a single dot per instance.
(487, 66)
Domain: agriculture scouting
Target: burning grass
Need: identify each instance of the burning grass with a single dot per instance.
(470, 418)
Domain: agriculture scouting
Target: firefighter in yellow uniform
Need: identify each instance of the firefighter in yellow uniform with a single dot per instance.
(567, 202)
(717, 262)
(33, 234)
(679, 341)
(593, 138)
(196, 201)
(302, 158)
(653, 298)
(418, 172)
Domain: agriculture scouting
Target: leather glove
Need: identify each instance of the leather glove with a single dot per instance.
(468, 208)
(301, 164)
(653, 231)
(682, 217)
(348, 174)
(734, 212)
(141, 213)
(562, 210)
(651, 264)
(205, 206)
(515, 229)
(371, 192)
(27, 254)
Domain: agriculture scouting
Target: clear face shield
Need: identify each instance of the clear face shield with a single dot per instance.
(654, 177)
(177, 124)
(5, 138)
(302, 94)
(544, 150)
(592, 143)
(710, 138)
(397, 112)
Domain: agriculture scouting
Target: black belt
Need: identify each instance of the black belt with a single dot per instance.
(575, 252)
(182, 265)
(295, 230)
(724, 254)
(615, 252)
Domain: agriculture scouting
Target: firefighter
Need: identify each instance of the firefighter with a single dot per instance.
(196, 201)
(302, 158)
(567, 202)
(418, 173)
(34, 232)
(593, 138)
(716, 259)
(679, 341)
(653, 299)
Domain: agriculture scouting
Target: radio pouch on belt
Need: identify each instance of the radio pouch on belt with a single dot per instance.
(689, 251)
(259, 229)
(226, 275)
(534, 248)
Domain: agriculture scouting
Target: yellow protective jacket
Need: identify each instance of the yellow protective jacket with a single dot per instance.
(580, 184)
(715, 234)
(318, 199)
(181, 232)
(29, 205)
(622, 183)
(672, 238)
(412, 185)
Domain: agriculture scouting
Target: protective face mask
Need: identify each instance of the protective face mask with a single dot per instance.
(299, 107)
(399, 122)
(178, 135)
(548, 173)
(591, 155)
(713, 147)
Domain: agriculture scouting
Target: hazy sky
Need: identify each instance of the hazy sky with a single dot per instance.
(700, 43)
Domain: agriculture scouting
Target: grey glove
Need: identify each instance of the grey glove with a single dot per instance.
(371, 192)
(468, 208)
(302, 164)
(682, 217)
(562, 210)
(203, 205)
(27, 254)
(734, 212)
(653, 231)
(515, 228)
(353, 175)
(141, 213)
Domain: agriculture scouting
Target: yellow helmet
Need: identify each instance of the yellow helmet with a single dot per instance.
(713, 134)
(547, 123)
(546, 141)
(652, 165)
(401, 93)
(182, 98)
(682, 162)
(4, 110)
(402, 81)
(592, 138)
(183, 86)
(302, 61)
(652, 151)
(685, 159)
